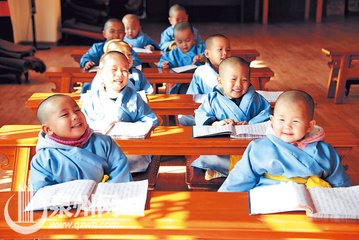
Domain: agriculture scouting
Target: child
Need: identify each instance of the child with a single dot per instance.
(205, 77)
(137, 79)
(186, 53)
(134, 36)
(113, 29)
(233, 101)
(116, 101)
(177, 14)
(292, 151)
(68, 149)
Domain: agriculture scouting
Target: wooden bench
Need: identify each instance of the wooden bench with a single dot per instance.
(342, 68)
(248, 54)
(18, 142)
(65, 78)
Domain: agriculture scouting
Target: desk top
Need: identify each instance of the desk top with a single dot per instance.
(340, 51)
(185, 215)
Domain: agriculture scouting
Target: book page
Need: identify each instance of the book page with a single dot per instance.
(122, 198)
(75, 192)
(94, 69)
(251, 130)
(281, 197)
(141, 50)
(207, 131)
(270, 96)
(184, 68)
(341, 202)
(129, 130)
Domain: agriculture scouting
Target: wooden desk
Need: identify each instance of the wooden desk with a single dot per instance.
(247, 54)
(161, 104)
(18, 142)
(318, 17)
(183, 215)
(341, 68)
(64, 78)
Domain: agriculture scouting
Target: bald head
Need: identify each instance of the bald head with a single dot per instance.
(111, 55)
(211, 39)
(298, 97)
(110, 21)
(115, 45)
(233, 62)
(176, 8)
(46, 105)
(131, 17)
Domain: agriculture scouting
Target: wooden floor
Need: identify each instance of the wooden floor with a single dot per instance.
(291, 50)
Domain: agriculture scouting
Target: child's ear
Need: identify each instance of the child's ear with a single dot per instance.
(104, 34)
(271, 118)
(206, 53)
(311, 125)
(170, 20)
(46, 129)
(219, 81)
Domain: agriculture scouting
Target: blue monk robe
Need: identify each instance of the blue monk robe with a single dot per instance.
(56, 163)
(167, 37)
(95, 53)
(177, 58)
(141, 41)
(136, 80)
(252, 108)
(278, 158)
(127, 106)
(204, 80)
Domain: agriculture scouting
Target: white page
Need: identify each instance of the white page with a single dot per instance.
(184, 68)
(281, 197)
(122, 198)
(341, 202)
(270, 96)
(203, 131)
(137, 130)
(251, 130)
(94, 69)
(141, 50)
(74, 192)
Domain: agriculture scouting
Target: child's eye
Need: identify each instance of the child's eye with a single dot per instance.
(281, 120)
(64, 115)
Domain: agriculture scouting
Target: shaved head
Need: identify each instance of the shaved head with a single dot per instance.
(210, 39)
(298, 96)
(45, 105)
(112, 54)
(176, 8)
(129, 17)
(232, 62)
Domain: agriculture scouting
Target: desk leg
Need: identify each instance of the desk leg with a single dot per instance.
(342, 77)
(21, 169)
(331, 83)
(265, 12)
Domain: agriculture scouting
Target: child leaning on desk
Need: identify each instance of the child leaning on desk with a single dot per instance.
(186, 53)
(134, 35)
(115, 101)
(177, 14)
(137, 80)
(68, 149)
(113, 29)
(233, 101)
(205, 77)
(293, 150)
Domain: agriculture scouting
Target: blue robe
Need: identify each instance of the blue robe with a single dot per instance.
(167, 36)
(56, 163)
(177, 58)
(95, 53)
(129, 106)
(141, 41)
(136, 80)
(277, 158)
(204, 80)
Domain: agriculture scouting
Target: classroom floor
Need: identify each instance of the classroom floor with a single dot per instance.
(291, 50)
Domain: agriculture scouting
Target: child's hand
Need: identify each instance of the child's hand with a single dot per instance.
(89, 65)
(223, 122)
(149, 47)
(199, 58)
(240, 123)
(165, 65)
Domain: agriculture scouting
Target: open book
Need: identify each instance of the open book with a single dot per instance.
(141, 50)
(187, 68)
(234, 131)
(123, 198)
(129, 130)
(318, 202)
(270, 96)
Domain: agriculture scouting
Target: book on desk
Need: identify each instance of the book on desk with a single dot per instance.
(127, 130)
(340, 202)
(185, 69)
(122, 198)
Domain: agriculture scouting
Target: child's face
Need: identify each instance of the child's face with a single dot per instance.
(234, 80)
(115, 30)
(184, 40)
(290, 121)
(65, 119)
(178, 17)
(219, 50)
(132, 28)
(115, 72)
